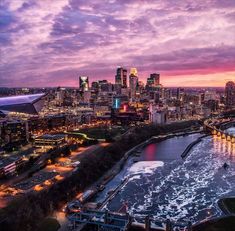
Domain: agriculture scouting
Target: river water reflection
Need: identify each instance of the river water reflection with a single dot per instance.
(163, 185)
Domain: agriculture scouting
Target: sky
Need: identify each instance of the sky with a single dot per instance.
(51, 42)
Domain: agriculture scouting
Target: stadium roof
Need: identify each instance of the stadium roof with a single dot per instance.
(30, 104)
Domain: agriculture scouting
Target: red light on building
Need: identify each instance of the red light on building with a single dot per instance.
(125, 107)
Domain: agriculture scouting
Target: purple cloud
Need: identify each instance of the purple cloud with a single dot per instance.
(47, 43)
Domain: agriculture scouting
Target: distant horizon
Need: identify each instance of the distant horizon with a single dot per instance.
(75, 87)
(50, 43)
(75, 83)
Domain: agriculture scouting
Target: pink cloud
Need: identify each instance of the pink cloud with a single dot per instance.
(50, 44)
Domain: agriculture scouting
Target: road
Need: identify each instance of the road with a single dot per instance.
(76, 155)
(61, 216)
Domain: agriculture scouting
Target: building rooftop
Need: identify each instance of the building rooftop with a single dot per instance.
(29, 104)
(5, 161)
(51, 137)
(36, 179)
(19, 99)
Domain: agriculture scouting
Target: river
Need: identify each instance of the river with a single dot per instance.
(164, 185)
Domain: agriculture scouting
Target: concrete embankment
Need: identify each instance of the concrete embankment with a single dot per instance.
(119, 166)
(105, 179)
(223, 207)
(160, 138)
(190, 146)
(225, 223)
(222, 203)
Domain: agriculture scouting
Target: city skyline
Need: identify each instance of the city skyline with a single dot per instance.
(45, 44)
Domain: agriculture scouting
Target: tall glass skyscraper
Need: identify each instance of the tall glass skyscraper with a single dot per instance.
(83, 83)
(133, 81)
(230, 94)
(121, 77)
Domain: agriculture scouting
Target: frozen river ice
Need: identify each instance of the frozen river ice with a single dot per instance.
(163, 185)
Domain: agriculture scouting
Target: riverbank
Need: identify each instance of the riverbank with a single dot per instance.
(225, 223)
(118, 167)
(130, 158)
(92, 167)
(190, 146)
(212, 223)
(219, 224)
(200, 174)
(114, 171)
(227, 205)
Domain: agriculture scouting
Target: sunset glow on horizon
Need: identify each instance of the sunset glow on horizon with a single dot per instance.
(48, 43)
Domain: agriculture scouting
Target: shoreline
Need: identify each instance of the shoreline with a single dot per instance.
(118, 167)
(190, 146)
(223, 207)
(155, 139)
(90, 172)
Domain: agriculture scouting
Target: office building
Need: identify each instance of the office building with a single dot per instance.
(180, 94)
(121, 77)
(29, 104)
(153, 81)
(105, 86)
(83, 83)
(230, 94)
(133, 82)
(157, 115)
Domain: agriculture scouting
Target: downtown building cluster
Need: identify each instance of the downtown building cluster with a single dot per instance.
(32, 115)
(127, 101)
(150, 101)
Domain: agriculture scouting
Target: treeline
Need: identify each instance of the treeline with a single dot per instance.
(26, 212)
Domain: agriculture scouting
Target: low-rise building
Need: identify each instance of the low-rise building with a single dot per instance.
(49, 141)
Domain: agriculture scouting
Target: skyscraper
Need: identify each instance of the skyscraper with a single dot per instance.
(180, 94)
(121, 77)
(95, 86)
(83, 83)
(153, 81)
(133, 71)
(133, 81)
(230, 94)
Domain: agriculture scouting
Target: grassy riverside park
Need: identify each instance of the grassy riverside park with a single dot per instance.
(104, 132)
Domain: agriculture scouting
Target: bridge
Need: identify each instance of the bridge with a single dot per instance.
(219, 129)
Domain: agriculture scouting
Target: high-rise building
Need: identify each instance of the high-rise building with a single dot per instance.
(180, 94)
(104, 85)
(83, 83)
(121, 77)
(153, 80)
(60, 96)
(95, 86)
(140, 87)
(133, 71)
(133, 82)
(87, 96)
(157, 114)
(230, 94)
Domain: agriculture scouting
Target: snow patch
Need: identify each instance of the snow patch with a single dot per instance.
(145, 167)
